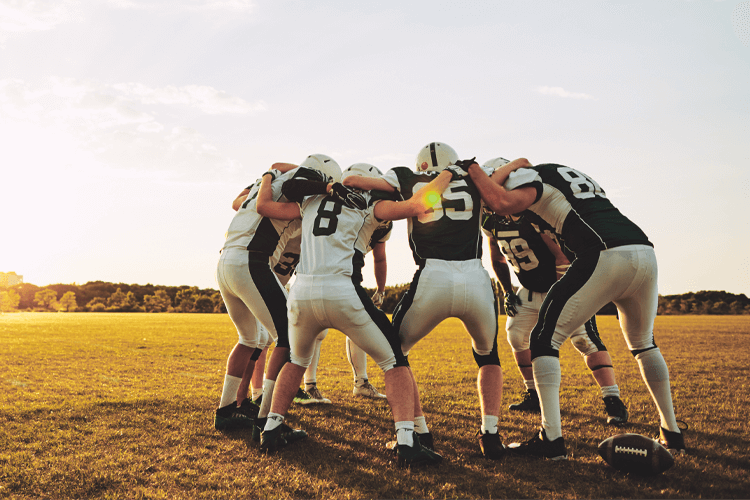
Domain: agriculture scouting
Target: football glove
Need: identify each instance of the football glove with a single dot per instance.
(511, 301)
(377, 298)
(456, 172)
(465, 164)
(348, 197)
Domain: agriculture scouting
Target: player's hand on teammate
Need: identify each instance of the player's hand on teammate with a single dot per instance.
(348, 196)
(465, 164)
(511, 301)
(456, 172)
(377, 298)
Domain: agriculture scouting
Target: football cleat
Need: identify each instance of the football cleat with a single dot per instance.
(366, 390)
(258, 401)
(541, 447)
(491, 445)
(435, 156)
(250, 407)
(316, 396)
(617, 414)
(271, 441)
(231, 416)
(426, 440)
(416, 456)
(529, 403)
(302, 397)
(672, 441)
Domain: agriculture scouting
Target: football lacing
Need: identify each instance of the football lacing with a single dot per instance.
(632, 451)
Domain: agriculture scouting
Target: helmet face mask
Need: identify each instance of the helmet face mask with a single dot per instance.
(324, 164)
(435, 156)
(362, 170)
(495, 163)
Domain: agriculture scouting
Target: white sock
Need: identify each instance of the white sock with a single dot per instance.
(656, 375)
(274, 420)
(420, 425)
(265, 405)
(610, 390)
(529, 385)
(405, 433)
(547, 380)
(360, 381)
(257, 392)
(229, 392)
(489, 424)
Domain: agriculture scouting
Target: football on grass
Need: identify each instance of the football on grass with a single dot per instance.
(635, 453)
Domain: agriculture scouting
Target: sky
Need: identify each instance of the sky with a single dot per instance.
(127, 127)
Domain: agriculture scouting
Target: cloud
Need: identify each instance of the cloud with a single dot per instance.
(235, 6)
(116, 124)
(561, 92)
(23, 16)
(207, 99)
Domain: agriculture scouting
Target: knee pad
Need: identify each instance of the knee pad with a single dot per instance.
(636, 352)
(388, 364)
(518, 340)
(487, 359)
(303, 362)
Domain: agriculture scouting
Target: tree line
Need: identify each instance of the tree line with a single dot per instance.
(99, 296)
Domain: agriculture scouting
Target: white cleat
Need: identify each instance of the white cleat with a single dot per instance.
(367, 390)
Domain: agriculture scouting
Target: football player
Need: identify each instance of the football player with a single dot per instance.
(538, 262)
(258, 254)
(614, 262)
(450, 282)
(337, 227)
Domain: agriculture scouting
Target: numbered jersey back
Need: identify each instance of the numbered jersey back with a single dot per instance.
(450, 231)
(576, 207)
(524, 249)
(334, 237)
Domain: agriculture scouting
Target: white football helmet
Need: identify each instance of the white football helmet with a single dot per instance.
(495, 163)
(435, 157)
(362, 170)
(325, 164)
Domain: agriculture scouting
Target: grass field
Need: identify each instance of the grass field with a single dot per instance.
(121, 406)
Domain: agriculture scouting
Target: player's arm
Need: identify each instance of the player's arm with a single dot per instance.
(500, 200)
(500, 265)
(380, 265)
(237, 203)
(501, 174)
(561, 261)
(284, 167)
(266, 207)
(368, 183)
(423, 200)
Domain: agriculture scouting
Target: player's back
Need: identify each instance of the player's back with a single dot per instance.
(451, 229)
(577, 208)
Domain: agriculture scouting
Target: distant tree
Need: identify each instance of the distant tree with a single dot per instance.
(158, 302)
(123, 302)
(97, 304)
(185, 300)
(218, 301)
(720, 307)
(203, 304)
(45, 298)
(9, 301)
(68, 302)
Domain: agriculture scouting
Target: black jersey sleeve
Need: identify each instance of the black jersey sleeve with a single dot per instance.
(297, 189)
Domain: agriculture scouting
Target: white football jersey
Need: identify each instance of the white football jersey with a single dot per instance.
(334, 236)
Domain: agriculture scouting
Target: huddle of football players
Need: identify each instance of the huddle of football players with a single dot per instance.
(571, 250)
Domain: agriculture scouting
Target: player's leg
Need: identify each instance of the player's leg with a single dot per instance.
(358, 361)
(258, 374)
(518, 329)
(474, 303)
(311, 374)
(587, 341)
(637, 309)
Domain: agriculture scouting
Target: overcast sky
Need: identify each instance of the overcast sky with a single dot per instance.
(127, 127)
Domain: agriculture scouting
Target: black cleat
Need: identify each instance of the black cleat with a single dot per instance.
(541, 447)
(426, 440)
(249, 407)
(416, 456)
(271, 441)
(292, 435)
(617, 414)
(491, 445)
(231, 417)
(672, 441)
(529, 403)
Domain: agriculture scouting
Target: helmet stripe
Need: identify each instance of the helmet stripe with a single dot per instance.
(433, 154)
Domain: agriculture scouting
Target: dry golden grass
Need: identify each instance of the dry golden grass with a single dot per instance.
(121, 406)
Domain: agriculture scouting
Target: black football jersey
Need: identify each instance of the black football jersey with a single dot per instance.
(524, 249)
(451, 229)
(576, 207)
